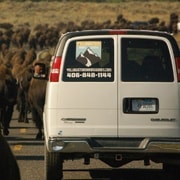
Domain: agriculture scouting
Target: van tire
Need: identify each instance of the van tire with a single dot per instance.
(53, 165)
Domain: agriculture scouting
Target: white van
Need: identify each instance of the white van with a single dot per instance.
(113, 95)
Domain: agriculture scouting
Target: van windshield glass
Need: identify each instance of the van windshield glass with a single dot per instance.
(145, 60)
(89, 60)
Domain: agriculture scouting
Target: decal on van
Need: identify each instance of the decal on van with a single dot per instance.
(89, 60)
(88, 52)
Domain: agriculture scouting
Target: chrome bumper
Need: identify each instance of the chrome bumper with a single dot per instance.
(110, 145)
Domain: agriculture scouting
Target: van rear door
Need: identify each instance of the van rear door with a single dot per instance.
(148, 103)
(87, 99)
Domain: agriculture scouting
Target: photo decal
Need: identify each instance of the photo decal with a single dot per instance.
(88, 53)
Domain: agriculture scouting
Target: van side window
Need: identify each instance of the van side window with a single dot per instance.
(89, 60)
(145, 60)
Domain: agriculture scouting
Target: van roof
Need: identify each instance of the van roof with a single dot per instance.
(117, 31)
(166, 35)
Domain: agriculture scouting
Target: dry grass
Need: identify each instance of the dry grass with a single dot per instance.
(53, 13)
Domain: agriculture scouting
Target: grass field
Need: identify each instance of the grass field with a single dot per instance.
(52, 13)
(55, 12)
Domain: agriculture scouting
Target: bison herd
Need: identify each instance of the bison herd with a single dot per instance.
(18, 56)
(23, 52)
(45, 36)
(18, 87)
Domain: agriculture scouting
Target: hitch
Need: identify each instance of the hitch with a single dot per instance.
(146, 162)
(118, 157)
(86, 160)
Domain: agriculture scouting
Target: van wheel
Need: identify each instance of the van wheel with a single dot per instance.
(53, 165)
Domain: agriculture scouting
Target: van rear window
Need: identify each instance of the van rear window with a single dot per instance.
(145, 60)
(89, 60)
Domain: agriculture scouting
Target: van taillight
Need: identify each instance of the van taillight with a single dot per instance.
(55, 70)
(178, 67)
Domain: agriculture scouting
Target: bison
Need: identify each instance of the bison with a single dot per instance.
(9, 168)
(37, 90)
(22, 72)
(7, 97)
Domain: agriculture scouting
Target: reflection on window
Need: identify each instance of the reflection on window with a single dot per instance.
(145, 60)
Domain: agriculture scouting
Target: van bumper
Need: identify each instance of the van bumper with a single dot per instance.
(110, 145)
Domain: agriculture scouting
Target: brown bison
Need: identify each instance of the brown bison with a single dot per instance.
(37, 90)
(9, 169)
(22, 72)
(7, 97)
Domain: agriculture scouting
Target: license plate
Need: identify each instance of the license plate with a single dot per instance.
(144, 105)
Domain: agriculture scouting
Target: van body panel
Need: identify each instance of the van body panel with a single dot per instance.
(93, 103)
(117, 95)
(97, 105)
(52, 95)
(151, 124)
(165, 121)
